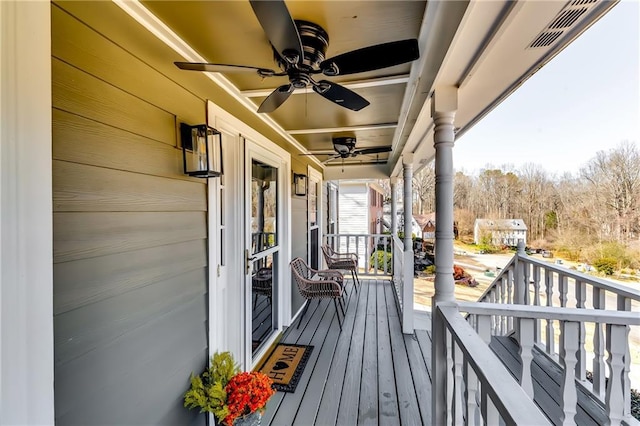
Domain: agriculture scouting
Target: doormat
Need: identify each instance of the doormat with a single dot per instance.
(285, 365)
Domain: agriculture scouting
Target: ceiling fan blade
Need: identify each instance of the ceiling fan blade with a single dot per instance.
(320, 153)
(276, 98)
(340, 95)
(374, 150)
(204, 66)
(331, 158)
(277, 24)
(372, 58)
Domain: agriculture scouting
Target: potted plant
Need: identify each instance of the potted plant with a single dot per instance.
(235, 398)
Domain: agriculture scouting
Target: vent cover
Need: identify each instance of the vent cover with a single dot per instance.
(567, 17)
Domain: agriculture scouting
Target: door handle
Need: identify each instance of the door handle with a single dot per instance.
(248, 260)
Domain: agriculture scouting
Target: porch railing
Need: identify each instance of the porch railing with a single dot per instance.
(563, 313)
(383, 256)
(470, 384)
(365, 245)
(570, 320)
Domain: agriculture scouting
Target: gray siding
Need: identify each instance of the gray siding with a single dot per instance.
(130, 247)
(299, 243)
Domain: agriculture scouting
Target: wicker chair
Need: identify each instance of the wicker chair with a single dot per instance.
(314, 284)
(342, 261)
(261, 283)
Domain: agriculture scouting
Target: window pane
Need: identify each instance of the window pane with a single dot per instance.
(264, 208)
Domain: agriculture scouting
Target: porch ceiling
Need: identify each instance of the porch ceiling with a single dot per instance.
(480, 47)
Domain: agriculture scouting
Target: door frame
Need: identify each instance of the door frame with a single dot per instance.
(232, 304)
(317, 176)
(254, 150)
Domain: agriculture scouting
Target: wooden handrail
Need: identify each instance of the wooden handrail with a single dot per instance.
(551, 313)
(513, 404)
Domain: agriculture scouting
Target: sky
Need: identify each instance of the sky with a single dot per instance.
(584, 100)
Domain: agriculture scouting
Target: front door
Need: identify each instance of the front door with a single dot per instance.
(262, 246)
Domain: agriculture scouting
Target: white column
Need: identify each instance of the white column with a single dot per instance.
(407, 289)
(394, 205)
(443, 106)
(26, 260)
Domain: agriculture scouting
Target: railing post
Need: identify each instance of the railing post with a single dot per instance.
(407, 296)
(394, 205)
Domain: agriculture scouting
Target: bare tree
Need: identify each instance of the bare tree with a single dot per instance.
(614, 181)
(424, 186)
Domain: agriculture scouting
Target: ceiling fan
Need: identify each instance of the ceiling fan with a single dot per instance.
(345, 147)
(299, 49)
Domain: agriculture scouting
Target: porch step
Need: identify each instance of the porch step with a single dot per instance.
(547, 379)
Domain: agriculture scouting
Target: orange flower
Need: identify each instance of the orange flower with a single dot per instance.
(247, 392)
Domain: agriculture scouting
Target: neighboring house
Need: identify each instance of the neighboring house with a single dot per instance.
(427, 223)
(502, 231)
(360, 206)
(120, 274)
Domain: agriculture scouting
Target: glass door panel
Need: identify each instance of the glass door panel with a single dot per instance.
(264, 251)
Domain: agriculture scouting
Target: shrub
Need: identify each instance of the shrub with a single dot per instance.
(606, 265)
(380, 256)
(430, 270)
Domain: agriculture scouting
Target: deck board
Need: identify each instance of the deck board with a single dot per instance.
(366, 374)
(348, 409)
(387, 395)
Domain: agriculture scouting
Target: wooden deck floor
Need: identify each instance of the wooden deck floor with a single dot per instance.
(370, 373)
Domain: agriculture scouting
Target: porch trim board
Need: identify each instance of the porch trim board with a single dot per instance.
(26, 254)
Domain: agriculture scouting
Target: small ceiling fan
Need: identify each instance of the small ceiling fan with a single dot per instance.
(345, 147)
(299, 49)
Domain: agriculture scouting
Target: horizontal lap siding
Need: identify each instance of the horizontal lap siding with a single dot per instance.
(130, 247)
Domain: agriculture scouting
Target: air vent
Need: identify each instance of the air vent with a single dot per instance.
(546, 39)
(567, 17)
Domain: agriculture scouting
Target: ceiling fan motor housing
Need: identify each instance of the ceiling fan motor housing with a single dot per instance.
(315, 41)
(344, 145)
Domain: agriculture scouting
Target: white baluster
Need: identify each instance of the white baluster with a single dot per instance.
(449, 380)
(489, 411)
(624, 304)
(568, 360)
(550, 337)
(484, 328)
(598, 347)
(581, 366)
(615, 398)
(471, 395)
(526, 283)
(526, 353)
(503, 299)
(510, 295)
(536, 300)
(563, 287)
(458, 396)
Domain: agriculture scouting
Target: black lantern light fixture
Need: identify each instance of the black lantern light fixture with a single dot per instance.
(300, 184)
(201, 150)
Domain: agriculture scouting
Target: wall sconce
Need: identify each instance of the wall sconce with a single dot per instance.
(300, 184)
(201, 150)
